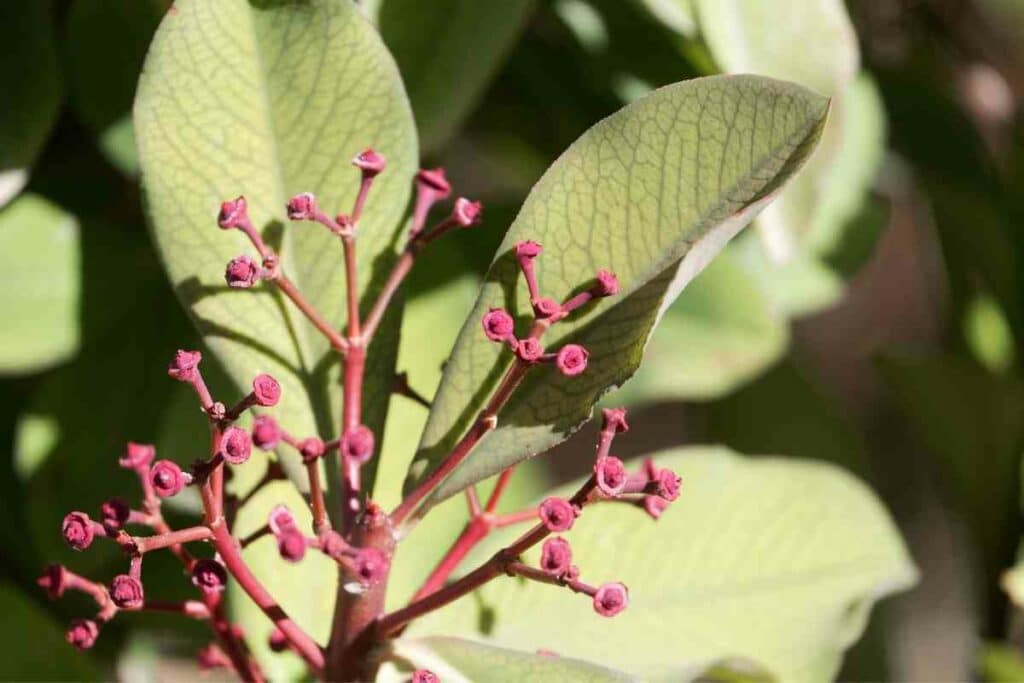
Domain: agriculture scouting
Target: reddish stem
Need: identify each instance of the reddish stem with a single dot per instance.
(484, 424)
(321, 522)
(305, 646)
(499, 489)
(189, 608)
(398, 273)
(474, 532)
(145, 544)
(473, 500)
(393, 622)
(319, 322)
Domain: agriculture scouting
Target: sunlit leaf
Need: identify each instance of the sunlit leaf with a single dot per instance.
(232, 102)
(455, 660)
(776, 561)
(651, 193)
(40, 285)
(720, 333)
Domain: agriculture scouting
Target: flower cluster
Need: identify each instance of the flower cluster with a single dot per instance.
(499, 326)
(358, 535)
(652, 488)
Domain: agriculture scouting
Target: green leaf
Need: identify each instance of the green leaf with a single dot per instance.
(34, 646)
(448, 54)
(719, 334)
(40, 285)
(1000, 663)
(28, 70)
(455, 660)
(268, 99)
(652, 193)
(816, 47)
(771, 560)
(102, 72)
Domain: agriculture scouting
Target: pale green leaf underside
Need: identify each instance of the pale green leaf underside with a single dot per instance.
(455, 660)
(40, 285)
(268, 99)
(448, 55)
(721, 332)
(651, 193)
(771, 560)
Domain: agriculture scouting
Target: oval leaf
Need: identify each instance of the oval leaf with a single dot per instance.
(268, 99)
(772, 560)
(455, 660)
(651, 193)
(40, 286)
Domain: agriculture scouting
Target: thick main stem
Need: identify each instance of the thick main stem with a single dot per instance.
(352, 634)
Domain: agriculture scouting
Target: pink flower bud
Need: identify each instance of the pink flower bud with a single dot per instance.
(358, 443)
(424, 676)
(546, 308)
(185, 366)
(82, 633)
(277, 641)
(467, 213)
(571, 360)
(611, 476)
(266, 433)
(292, 545)
(370, 566)
(668, 484)
(310, 449)
(370, 163)
(557, 514)
(572, 573)
(302, 207)
(615, 419)
(235, 445)
(114, 513)
(655, 505)
(434, 179)
(167, 478)
(137, 455)
(126, 592)
(555, 556)
(266, 390)
(233, 213)
(528, 250)
(281, 520)
(242, 272)
(216, 411)
(78, 530)
(209, 576)
(498, 325)
(54, 580)
(607, 284)
(529, 350)
(610, 599)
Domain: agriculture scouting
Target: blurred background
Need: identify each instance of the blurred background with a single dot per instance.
(874, 317)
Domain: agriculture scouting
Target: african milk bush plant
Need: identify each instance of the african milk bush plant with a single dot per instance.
(246, 118)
